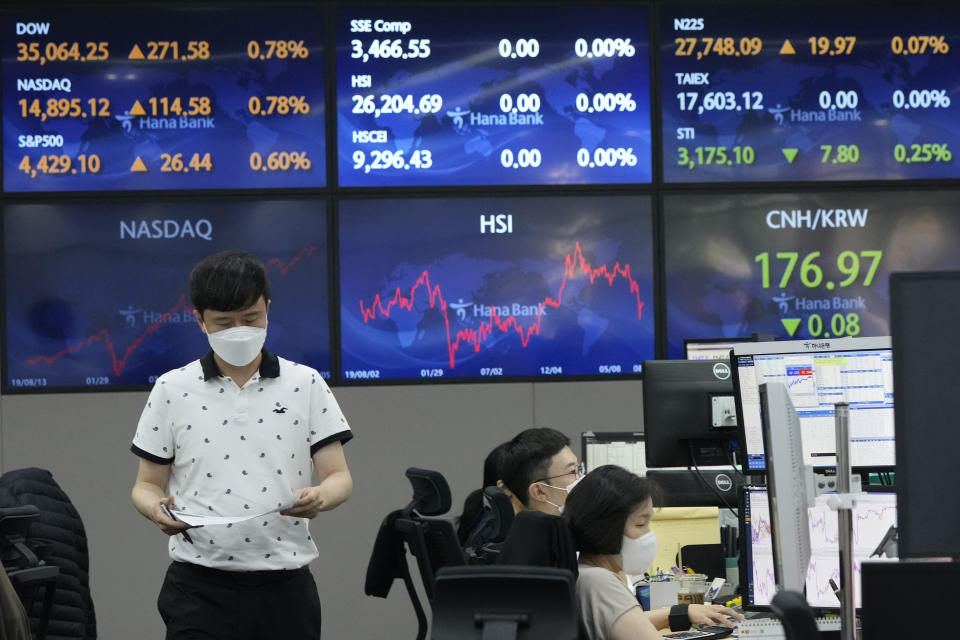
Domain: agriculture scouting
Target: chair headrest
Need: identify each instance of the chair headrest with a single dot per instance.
(431, 493)
(16, 520)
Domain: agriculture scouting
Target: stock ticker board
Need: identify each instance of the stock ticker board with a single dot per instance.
(191, 98)
(495, 287)
(798, 265)
(816, 92)
(447, 96)
(96, 293)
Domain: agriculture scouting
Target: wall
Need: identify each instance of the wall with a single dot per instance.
(84, 440)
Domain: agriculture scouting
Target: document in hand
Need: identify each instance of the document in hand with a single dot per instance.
(203, 520)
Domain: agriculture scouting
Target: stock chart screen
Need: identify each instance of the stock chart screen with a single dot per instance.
(491, 288)
(96, 293)
(447, 96)
(117, 99)
(815, 92)
(798, 265)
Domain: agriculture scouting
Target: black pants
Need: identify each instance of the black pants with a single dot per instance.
(198, 603)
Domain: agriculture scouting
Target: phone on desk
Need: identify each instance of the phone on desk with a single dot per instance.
(713, 590)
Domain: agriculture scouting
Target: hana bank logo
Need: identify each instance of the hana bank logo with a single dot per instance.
(515, 309)
(125, 121)
(457, 116)
(778, 112)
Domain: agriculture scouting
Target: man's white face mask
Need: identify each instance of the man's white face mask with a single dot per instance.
(238, 346)
(568, 489)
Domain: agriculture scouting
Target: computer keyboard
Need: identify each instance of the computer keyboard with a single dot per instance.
(703, 633)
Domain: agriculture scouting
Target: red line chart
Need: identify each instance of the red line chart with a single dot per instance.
(119, 363)
(574, 264)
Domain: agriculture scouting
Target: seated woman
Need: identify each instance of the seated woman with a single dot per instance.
(473, 523)
(609, 515)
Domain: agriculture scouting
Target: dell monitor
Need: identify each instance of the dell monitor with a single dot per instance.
(873, 516)
(688, 414)
(818, 374)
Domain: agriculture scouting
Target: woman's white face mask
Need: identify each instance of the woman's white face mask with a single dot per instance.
(238, 346)
(637, 554)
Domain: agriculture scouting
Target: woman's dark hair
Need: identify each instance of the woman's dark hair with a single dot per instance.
(528, 458)
(228, 281)
(473, 505)
(598, 507)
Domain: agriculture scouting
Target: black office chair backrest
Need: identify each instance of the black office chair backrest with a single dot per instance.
(434, 544)
(539, 539)
(502, 510)
(796, 616)
(14, 524)
(32, 579)
(505, 603)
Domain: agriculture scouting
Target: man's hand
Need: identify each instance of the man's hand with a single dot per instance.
(310, 502)
(712, 614)
(167, 524)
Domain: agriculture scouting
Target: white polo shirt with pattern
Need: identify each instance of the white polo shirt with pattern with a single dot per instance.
(235, 450)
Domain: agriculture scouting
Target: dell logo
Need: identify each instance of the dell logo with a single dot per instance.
(721, 370)
(723, 482)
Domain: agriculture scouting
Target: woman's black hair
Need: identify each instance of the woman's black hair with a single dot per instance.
(473, 505)
(598, 507)
(228, 281)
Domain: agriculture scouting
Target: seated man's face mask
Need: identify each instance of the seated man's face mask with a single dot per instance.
(568, 489)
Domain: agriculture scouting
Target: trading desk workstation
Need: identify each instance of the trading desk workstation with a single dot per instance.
(790, 398)
(715, 207)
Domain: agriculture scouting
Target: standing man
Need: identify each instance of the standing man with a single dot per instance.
(234, 433)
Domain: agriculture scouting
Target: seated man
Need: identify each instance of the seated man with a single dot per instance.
(538, 469)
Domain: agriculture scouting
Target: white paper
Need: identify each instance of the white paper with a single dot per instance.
(202, 520)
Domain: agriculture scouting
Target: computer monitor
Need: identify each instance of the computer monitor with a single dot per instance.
(688, 413)
(924, 316)
(697, 488)
(818, 374)
(710, 348)
(872, 518)
(622, 448)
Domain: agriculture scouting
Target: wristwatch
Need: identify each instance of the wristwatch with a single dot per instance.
(679, 618)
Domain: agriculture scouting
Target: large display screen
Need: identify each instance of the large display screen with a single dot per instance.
(798, 265)
(116, 99)
(494, 95)
(809, 92)
(495, 287)
(96, 293)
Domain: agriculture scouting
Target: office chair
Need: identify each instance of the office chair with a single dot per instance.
(505, 603)
(432, 542)
(795, 615)
(498, 515)
(539, 539)
(29, 573)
